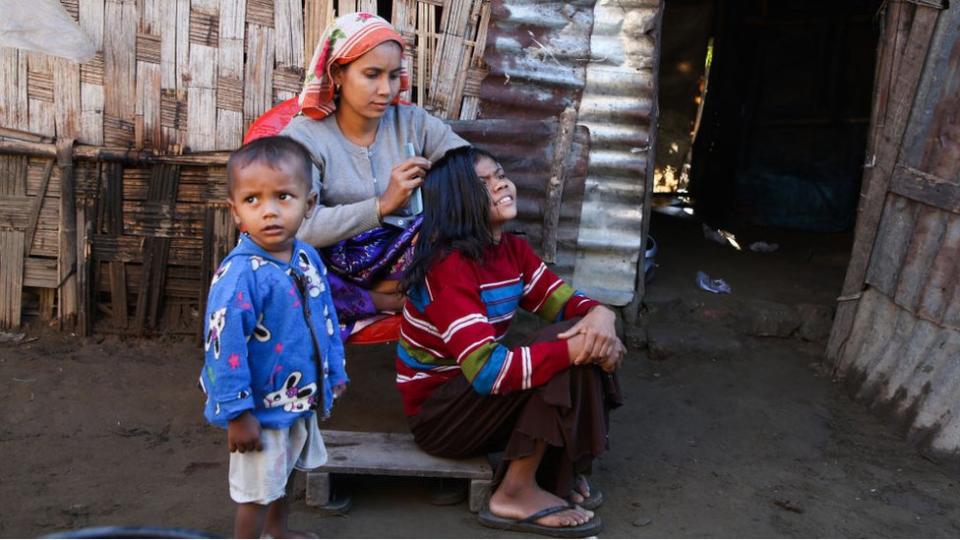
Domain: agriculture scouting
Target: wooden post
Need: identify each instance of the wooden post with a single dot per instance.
(11, 277)
(67, 259)
(554, 195)
(86, 212)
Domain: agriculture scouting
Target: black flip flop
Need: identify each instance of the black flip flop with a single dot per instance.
(594, 501)
(529, 525)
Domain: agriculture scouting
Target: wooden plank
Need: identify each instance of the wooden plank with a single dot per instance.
(230, 73)
(942, 283)
(91, 21)
(258, 94)
(91, 74)
(926, 188)
(13, 89)
(111, 203)
(35, 206)
(202, 99)
(404, 19)
(288, 26)
(86, 212)
(915, 266)
(66, 98)
(174, 43)
(894, 233)
(67, 259)
(118, 293)
(317, 15)
(147, 133)
(478, 68)
(11, 278)
(260, 12)
(13, 176)
(91, 113)
(554, 191)
(451, 62)
(40, 272)
(393, 454)
(14, 212)
(119, 69)
(40, 94)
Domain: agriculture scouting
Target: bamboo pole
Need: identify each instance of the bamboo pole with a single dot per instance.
(107, 153)
(67, 259)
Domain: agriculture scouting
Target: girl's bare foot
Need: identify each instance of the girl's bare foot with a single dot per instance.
(518, 502)
(581, 490)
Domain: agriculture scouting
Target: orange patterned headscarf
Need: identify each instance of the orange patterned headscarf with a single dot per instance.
(348, 38)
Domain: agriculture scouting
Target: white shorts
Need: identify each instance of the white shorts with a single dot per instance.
(261, 477)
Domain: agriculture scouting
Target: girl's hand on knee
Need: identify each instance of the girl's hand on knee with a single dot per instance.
(243, 433)
(614, 360)
(339, 390)
(575, 348)
(404, 178)
(598, 329)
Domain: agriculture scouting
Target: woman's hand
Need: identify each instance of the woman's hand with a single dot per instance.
(404, 178)
(243, 433)
(600, 344)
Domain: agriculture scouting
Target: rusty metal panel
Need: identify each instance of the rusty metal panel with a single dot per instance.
(902, 353)
(537, 54)
(617, 106)
(907, 368)
(599, 57)
(526, 151)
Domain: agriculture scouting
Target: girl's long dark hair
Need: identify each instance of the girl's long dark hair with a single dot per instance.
(456, 214)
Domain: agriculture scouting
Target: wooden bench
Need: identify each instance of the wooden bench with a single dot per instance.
(392, 454)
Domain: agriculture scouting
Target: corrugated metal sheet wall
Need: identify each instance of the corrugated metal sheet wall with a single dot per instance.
(599, 57)
(616, 106)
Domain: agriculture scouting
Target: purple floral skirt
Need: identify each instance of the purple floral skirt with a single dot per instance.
(357, 263)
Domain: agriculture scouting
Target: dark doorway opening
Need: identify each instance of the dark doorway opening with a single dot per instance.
(778, 95)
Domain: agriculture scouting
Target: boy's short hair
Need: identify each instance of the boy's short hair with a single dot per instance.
(272, 151)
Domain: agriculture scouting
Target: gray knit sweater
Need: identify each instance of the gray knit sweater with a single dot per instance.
(354, 176)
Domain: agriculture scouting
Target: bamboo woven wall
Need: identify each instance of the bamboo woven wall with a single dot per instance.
(175, 74)
(170, 77)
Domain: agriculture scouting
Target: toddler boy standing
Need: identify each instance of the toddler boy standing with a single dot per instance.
(274, 358)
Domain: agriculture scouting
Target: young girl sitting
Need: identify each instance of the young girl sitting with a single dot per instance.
(544, 405)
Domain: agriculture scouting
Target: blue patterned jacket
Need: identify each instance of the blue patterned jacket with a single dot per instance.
(260, 351)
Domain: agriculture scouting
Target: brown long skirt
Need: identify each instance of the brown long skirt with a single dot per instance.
(570, 413)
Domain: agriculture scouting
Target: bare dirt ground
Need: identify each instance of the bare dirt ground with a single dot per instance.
(731, 431)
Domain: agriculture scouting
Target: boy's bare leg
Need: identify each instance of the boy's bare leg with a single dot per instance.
(277, 513)
(249, 520)
(519, 496)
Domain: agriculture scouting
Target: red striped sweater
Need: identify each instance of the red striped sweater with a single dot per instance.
(454, 322)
